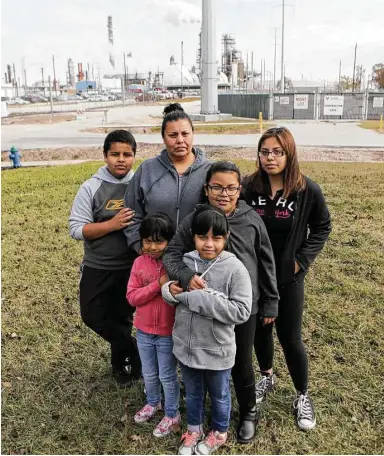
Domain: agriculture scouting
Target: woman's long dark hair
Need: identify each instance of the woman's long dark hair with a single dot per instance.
(294, 181)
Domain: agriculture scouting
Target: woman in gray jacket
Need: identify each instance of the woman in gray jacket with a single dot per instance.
(173, 181)
(203, 334)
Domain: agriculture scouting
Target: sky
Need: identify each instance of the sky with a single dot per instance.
(318, 34)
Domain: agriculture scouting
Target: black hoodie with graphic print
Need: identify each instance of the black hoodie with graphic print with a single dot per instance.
(249, 241)
(310, 229)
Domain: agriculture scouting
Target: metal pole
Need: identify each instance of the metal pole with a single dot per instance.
(261, 75)
(181, 67)
(123, 91)
(264, 72)
(42, 77)
(125, 71)
(54, 73)
(340, 77)
(274, 66)
(50, 97)
(354, 65)
(252, 70)
(246, 76)
(282, 51)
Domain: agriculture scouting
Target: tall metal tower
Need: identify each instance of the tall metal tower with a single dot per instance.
(71, 73)
(110, 41)
(209, 96)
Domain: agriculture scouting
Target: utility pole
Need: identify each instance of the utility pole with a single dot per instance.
(274, 65)
(282, 50)
(42, 77)
(246, 76)
(340, 76)
(54, 73)
(125, 71)
(50, 97)
(181, 66)
(252, 71)
(261, 76)
(354, 65)
(264, 72)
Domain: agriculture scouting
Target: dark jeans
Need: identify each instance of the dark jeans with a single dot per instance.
(197, 382)
(242, 372)
(159, 365)
(288, 328)
(104, 309)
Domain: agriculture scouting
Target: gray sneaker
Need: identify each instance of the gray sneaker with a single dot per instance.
(264, 386)
(304, 412)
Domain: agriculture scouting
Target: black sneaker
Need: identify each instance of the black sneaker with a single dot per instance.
(264, 386)
(304, 412)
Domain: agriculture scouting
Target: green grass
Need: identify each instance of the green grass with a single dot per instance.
(372, 125)
(225, 128)
(57, 393)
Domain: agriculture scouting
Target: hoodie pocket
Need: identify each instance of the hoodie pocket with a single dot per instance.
(224, 334)
(181, 327)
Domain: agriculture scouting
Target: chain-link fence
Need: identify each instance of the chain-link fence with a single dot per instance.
(311, 106)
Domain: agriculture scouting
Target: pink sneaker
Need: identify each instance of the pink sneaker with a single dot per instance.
(190, 440)
(212, 442)
(165, 426)
(146, 413)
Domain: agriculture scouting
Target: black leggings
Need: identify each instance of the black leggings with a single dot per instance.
(288, 328)
(243, 375)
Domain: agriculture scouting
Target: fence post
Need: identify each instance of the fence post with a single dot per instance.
(366, 105)
(381, 122)
(271, 106)
(317, 104)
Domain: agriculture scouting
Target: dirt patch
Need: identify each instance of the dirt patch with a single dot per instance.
(213, 152)
(37, 119)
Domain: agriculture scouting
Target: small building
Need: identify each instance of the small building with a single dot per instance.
(85, 85)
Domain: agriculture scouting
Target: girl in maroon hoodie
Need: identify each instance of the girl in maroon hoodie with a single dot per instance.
(154, 320)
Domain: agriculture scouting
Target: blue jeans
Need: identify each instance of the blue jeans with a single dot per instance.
(159, 365)
(197, 382)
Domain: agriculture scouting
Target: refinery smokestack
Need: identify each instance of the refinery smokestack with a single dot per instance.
(209, 98)
(110, 41)
(71, 73)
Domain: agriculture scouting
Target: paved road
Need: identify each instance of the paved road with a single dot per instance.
(69, 134)
(29, 164)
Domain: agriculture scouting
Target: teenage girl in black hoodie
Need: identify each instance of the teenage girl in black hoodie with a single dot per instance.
(298, 224)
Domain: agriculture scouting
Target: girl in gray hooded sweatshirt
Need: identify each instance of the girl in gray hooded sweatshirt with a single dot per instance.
(203, 334)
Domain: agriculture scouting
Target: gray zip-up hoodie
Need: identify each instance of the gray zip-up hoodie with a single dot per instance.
(203, 334)
(99, 199)
(157, 187)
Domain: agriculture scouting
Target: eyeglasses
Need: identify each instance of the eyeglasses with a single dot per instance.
(218, 190)
(274, 152)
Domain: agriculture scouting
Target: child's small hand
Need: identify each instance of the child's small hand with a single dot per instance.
(122, 219)
(175, 289)
(163, 279)
(196, 283)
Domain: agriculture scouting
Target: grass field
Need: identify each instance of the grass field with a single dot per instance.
(372, 125)
(57, 393)
(225, 128)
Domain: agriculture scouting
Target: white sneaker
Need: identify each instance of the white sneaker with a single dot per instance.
(211, 443)
(304, 412)
(146, 413)
(165, 426)
(264, 386)
(190, 441)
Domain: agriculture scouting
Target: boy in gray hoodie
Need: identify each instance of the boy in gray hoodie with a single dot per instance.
(203, 334)
(98, 218)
